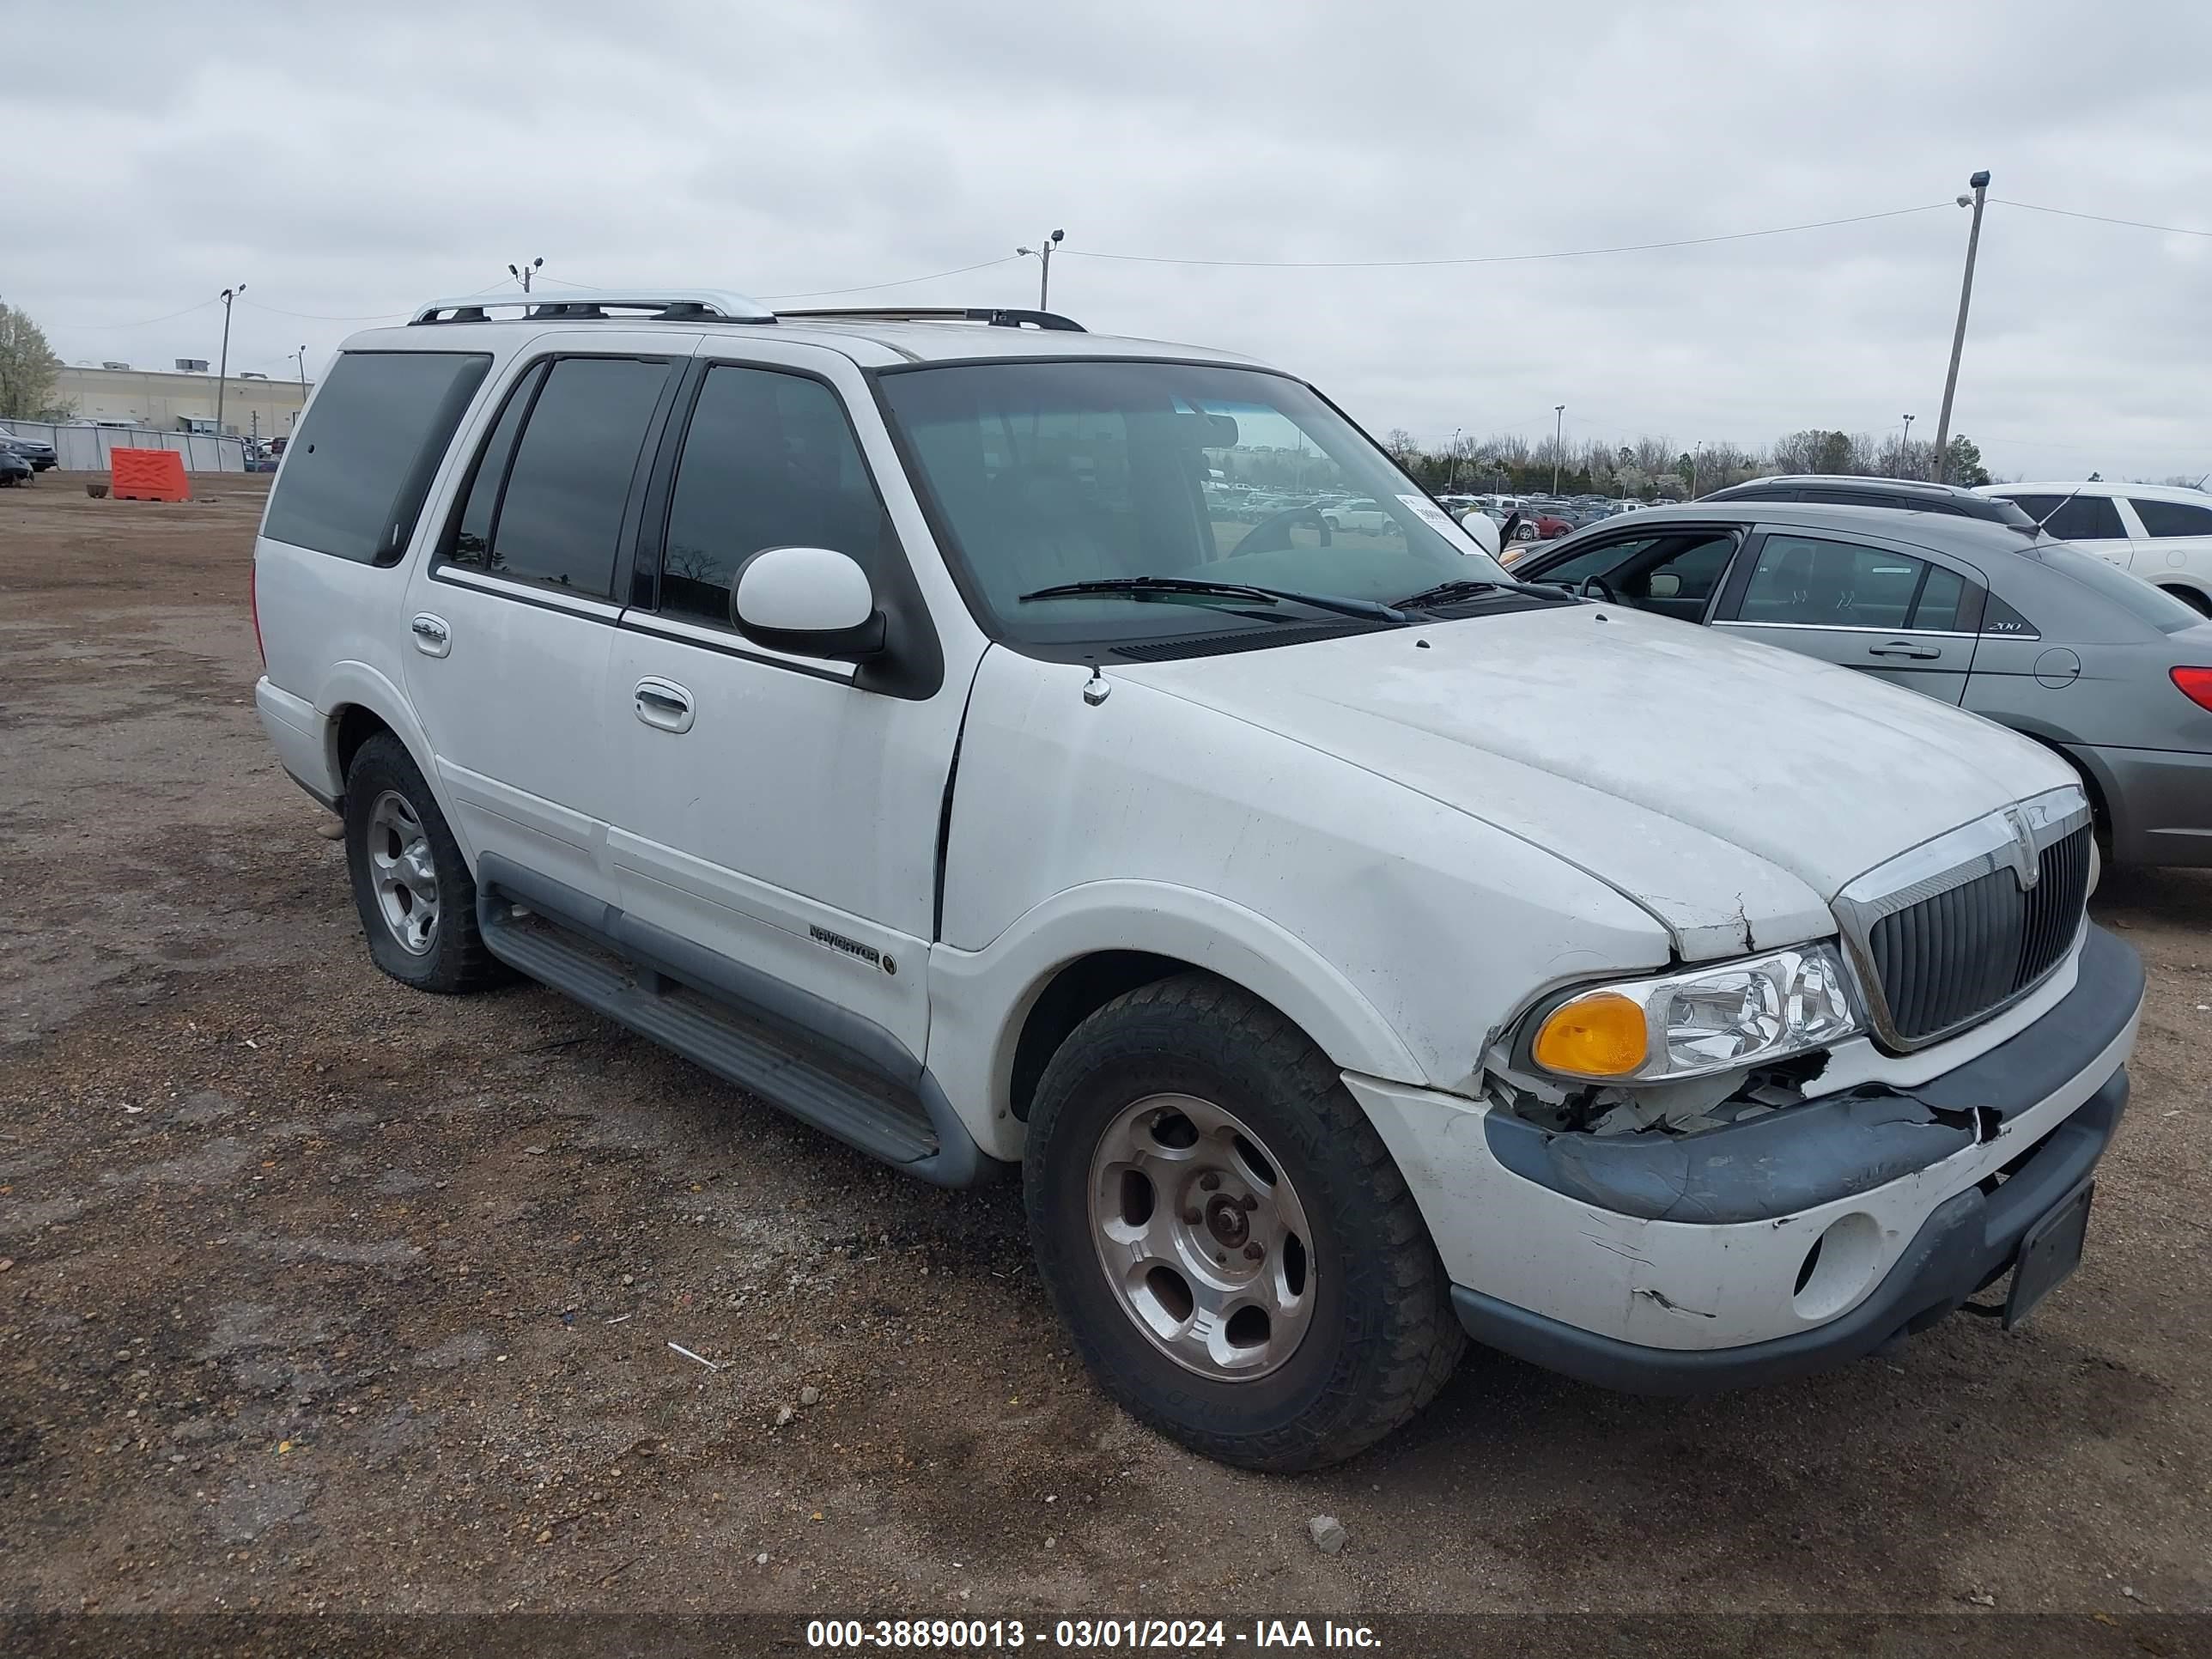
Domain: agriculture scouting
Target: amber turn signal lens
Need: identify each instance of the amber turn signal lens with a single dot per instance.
(1603, 1035)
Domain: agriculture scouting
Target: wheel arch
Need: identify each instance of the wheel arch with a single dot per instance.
(358, 700)
(998, 1014)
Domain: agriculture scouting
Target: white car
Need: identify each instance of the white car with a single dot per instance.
(2157, 531)
(1351, 948)
(1358, 514)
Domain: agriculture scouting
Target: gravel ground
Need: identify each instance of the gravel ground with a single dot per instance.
(319, 1294)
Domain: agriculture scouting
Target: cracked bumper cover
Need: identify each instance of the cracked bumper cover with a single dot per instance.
(1832, 1153)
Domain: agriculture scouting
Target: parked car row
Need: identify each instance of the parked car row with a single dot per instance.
(1353, 946)
(36, 455)
(2033, 632)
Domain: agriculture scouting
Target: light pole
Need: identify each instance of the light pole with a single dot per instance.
(1559, 442)
(1042, 253)
(1980, 181)
(1697, 454)
(521, 273)
(1452, 483)
(1904, 448)
(222, 368)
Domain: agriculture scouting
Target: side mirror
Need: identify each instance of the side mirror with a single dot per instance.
(808, 601)
(1476, 523)
(1665, 585)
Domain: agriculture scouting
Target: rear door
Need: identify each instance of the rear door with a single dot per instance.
(2091, 523)
(513, 620)
(2174, 546)
(1909, 617)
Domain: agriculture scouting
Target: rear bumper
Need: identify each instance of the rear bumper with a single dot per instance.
(1968, 1242)
(2159, 801)
(302, 736)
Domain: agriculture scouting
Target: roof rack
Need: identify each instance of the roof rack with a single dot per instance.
(670, 305)
(992, 316)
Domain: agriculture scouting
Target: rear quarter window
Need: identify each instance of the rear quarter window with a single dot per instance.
(358, 468)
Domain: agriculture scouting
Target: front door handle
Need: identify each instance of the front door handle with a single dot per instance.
(663, 703)
(432, 637)
(1904, 648)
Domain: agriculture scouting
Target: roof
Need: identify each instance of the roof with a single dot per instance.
(874, 338)
(2105, 487)
(1844, 481)
(1939, 532)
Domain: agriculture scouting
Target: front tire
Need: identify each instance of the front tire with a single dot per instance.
(1227, 1236)
(412, 887)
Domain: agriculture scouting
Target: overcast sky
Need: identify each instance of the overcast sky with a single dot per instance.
(345, 168)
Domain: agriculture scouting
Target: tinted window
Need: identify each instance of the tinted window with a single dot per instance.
(471, 542)
(769, 460)
(1941, 596)
(2085, 518)
(1684, 579)
(1801, 579)
(562, 514)
(2146, 604)
(365, 451)
(2172, 518)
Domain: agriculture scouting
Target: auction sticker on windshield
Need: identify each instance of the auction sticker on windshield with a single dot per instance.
(1437, 518)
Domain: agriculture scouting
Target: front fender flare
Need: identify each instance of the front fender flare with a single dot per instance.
(979, 999)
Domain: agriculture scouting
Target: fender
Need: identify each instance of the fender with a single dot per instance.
(978, 1000)
(361, 684)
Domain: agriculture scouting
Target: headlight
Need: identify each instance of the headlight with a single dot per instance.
(1714, 1020)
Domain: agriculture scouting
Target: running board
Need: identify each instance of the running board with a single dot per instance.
(871, 1120)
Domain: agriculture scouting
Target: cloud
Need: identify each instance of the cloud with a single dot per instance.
(354, 162)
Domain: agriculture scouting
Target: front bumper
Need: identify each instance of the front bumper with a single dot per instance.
(1694, 1266)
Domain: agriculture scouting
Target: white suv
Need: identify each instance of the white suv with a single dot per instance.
(2159, 532)
(1352, 947)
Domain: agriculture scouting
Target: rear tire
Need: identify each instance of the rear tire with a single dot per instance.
(1179, 1130)
(2194, 600)
(412, 887)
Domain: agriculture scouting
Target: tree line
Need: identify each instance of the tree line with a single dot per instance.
(1654, 466)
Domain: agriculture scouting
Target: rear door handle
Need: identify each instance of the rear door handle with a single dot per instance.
(432, 637)
(1904, 648)
(663, 703)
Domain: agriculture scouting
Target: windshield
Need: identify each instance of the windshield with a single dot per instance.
(1045, 474)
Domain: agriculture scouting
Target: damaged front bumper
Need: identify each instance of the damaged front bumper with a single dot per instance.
(1780, 1245)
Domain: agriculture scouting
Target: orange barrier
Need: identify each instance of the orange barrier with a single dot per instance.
(149, 475)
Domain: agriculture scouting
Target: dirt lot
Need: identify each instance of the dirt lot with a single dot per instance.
(319, 1294)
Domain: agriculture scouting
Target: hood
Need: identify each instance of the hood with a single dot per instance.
(1730, 789)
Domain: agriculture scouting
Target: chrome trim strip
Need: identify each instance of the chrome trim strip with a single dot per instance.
(1851, 627)
(522, 587)
(1940, 864)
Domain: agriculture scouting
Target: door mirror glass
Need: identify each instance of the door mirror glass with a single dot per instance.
(809, 601)
(1666, 585)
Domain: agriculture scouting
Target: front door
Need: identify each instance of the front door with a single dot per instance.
(513, 618)
(1896, 616)
(777, 815)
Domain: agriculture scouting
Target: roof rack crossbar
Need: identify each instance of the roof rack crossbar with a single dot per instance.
(991, 316)
(695, 305)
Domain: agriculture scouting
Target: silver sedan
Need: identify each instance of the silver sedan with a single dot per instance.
(2058, 644)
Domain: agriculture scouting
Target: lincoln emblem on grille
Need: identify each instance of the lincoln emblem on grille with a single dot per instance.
(2025, 863)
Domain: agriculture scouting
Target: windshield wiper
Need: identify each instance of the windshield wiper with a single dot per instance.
(1460, 587)
(1138, 586)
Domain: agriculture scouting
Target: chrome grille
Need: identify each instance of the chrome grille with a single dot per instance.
(1951, 958)
(1949, 934)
